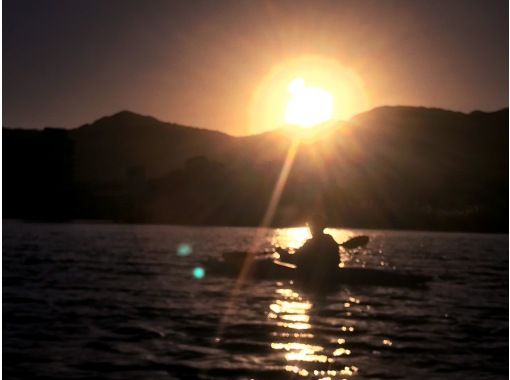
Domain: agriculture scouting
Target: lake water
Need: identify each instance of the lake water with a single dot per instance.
(85, 301)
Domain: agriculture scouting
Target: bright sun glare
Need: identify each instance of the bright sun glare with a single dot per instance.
(308, 106)
(306, 91)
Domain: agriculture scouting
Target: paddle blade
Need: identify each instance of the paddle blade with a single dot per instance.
(284, 264)
(356, 242)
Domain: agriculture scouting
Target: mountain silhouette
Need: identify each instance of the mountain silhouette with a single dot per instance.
(391, 167)
(106, 149)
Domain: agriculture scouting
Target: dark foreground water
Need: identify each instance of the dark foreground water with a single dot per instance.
(118, 302)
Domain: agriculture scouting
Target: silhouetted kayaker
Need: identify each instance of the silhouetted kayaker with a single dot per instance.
(321, 250)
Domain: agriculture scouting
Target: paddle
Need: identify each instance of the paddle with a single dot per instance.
(355, 242)
(352, 243)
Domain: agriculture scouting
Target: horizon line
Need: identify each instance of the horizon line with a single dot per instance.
(258, 133)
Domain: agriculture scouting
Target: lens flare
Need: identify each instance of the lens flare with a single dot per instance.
(198, 273)
(184, 249)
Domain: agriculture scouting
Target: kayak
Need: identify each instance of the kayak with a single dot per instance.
(273, 270)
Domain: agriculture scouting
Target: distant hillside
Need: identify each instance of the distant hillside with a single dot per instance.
(110, 147)
(392, 167)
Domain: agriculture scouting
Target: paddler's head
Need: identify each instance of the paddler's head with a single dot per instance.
(317, 224)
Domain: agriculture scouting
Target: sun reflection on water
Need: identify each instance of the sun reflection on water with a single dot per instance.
(303, 352)
(293, 238)
(295, 339)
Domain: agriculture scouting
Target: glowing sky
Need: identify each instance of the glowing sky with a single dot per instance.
(66, 63)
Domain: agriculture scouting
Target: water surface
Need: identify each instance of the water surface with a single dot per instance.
(122, 302)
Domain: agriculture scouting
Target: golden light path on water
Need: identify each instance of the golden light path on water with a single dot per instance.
(292, 313)
(295, 339)
(293, 238)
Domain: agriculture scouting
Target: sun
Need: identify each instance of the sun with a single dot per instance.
(306, 91)
(308, 106)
